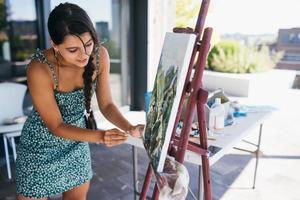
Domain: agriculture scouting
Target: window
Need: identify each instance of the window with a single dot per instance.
(18, 36)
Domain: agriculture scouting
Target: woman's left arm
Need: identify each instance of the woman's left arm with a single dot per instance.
(104, 98)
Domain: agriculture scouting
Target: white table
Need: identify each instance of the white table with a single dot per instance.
(226, 140)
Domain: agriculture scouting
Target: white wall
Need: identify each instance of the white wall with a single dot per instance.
(161, 19)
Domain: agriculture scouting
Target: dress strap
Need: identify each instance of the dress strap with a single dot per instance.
(97, 51)
(40, 56)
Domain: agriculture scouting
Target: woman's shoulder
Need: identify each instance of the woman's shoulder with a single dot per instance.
(37, 69)
(39, 65)
(40, 57)
(100, 49)
(102, 58)
(101, 52)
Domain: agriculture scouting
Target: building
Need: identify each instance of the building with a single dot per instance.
(289, 42)
(102, 30)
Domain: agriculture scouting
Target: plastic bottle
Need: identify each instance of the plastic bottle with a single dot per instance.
(217, 115)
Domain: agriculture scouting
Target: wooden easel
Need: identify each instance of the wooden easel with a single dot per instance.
(197, 99)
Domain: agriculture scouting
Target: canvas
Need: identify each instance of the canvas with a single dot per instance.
(169, 82)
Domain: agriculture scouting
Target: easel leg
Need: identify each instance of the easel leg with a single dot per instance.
(257, 155)
(155, 193)
(200, 183)
(147, 182)
(135, 172)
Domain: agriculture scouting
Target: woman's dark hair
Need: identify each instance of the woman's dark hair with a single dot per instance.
(69, 19)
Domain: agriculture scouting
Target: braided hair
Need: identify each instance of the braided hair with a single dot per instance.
(70, 19)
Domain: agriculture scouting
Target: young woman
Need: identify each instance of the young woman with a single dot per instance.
(53, 153)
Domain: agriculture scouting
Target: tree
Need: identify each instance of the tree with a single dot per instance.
(187, 12)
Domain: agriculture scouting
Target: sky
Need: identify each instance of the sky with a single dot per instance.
(225, 16)
(253, 16)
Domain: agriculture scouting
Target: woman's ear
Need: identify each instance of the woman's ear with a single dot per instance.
(55, 47)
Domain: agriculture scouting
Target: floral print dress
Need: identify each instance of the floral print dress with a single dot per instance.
(47, 164)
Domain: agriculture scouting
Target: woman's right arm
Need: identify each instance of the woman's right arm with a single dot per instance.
(40, 84)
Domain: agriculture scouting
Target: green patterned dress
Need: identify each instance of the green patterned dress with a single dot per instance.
(47, 164)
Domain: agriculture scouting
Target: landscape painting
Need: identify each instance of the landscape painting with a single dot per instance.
(169, 82)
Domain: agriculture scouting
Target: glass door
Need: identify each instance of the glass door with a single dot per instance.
(18, 37)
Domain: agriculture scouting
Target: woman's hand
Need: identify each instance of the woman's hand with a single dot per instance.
(136, 131)
(113, 137)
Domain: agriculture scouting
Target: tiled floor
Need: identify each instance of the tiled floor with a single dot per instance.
(113, 174)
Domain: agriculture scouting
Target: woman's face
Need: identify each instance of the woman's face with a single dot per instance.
(75, 51)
